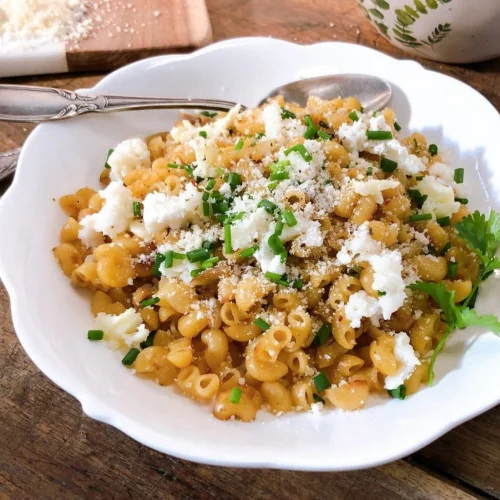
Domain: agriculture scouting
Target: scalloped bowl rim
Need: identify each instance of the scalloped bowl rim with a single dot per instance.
(99, 409)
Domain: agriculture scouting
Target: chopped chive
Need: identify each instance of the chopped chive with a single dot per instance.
(188, 168)
(248, 252)
(278, 229)
(353, 116)
(279, 166)
(300, 148)
(198, 255)
(416, 196)
(195, 272)
(452, 269)
(210, 185)
(279, 176)
(106, 164)
(323, 135)
(169, 259)
(321, 382)
(419, 177)
(433, 149)
(209, 245)
(298, 283)
(443, 221)
(419, 217)
(203, 134)
(262, 324)
(275, 244)
(149, 302)
(268, 206)
(369, 171)
(463, 201)
(397, 126)
(129, 358)
(379, 135)
(311, 129)
(259, 135)
(149, 341)
(205, 196)
(136, 207)
(459, 175)
(388, 165)
(286, 113)
(398, 393)
(322, 335)
(375, 113)
(318, 399)
(272, 185)
(179, 256)
(208, 114)
(227, 239)
(206, 208)
(221, 207)
(354, 271)
(235, 395)
(216, 196)
(95, 334)
(234, 179)
(283, 256)
(289, 217)
(380, 293)
(207, 264)
(275, 277)
(156, 266)
(445, 249)
(239, 144)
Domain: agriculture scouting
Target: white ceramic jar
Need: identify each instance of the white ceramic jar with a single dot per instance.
(455, 31)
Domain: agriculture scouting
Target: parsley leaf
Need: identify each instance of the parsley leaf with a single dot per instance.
(443, 297)
(483, 235)
(470, 317)
(457, 317)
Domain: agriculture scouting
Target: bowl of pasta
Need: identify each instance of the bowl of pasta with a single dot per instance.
(279, 286)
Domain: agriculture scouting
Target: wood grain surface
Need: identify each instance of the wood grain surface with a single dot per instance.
(49, 449)
(133, 29)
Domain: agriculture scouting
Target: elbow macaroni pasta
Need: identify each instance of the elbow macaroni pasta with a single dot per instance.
(246, 323)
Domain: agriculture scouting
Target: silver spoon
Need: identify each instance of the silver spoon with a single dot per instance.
(19, 103)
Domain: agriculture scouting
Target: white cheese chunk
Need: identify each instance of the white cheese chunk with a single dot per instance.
(113, 218)
(122, 330)
(271, 115)
(269, 262)
(406, 361)
(354, 139)
(360, 305)
(162, 210)
(375, 188)
(127, 156)
(387, 275)
(440, 200)
(251, 228)
(360, 244)
(387, 279)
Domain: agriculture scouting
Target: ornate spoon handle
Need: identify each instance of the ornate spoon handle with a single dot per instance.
(20, 103)
(8, 162)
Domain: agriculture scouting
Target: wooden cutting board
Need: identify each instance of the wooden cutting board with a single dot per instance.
(127, 30)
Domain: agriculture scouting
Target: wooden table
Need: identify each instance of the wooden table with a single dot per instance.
(49, 449)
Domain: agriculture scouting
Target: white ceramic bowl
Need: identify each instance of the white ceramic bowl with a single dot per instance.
(455, 31)
(51, 318)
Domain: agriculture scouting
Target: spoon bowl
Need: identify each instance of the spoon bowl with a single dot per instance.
(372, 92)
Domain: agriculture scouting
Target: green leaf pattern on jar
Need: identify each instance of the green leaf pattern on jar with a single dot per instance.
(406, 17)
